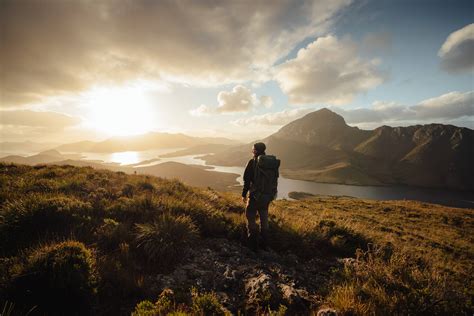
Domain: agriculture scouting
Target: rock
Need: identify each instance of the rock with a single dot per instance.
(261, 291)
(327, 312)
(293, 298)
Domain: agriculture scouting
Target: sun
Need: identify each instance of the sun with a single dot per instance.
(120, 111)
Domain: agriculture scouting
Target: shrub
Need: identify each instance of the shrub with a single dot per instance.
(78, 186)
(39, 216)
(146, 186)
(145, 308)
(328, 237)
(165, 305)
(58, 278)
(43, 186)
(128, 190)
(137, 209)
(167, 238)
(211, 222)
(110, 234)
(206, 304)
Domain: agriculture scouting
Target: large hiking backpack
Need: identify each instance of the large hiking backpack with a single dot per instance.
(266, 177)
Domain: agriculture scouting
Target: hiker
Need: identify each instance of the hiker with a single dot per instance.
(260, 181)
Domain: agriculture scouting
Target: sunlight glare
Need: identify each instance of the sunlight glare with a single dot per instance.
(120, 111)
(125, 157)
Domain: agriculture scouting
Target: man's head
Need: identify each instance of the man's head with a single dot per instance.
(259, 149)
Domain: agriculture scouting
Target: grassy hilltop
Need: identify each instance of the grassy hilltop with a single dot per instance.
(75, 240)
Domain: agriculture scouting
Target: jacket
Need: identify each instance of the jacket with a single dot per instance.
(249, 175)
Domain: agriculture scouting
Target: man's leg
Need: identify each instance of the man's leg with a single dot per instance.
(263, 214)
(252, 230)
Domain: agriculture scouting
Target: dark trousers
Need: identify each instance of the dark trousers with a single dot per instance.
(254, 207)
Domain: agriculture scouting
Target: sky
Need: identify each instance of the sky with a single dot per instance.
(76, 70)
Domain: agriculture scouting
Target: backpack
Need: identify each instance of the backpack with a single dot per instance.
(266, 177)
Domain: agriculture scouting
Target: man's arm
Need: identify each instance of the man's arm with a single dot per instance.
(248, 176)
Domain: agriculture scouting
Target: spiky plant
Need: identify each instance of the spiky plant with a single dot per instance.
(165, 240)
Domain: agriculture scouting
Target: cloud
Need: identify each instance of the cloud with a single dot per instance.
(457, 51)
(276, 118)
(55, 47)
(202, 110)
(47, 126)
(239, 100)
(50, 120)
(449, 106)
(266, 101)
(327, 71)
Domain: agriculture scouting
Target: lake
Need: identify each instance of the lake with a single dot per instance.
(444, 197)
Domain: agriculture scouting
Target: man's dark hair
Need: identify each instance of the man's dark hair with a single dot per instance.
(260, 147)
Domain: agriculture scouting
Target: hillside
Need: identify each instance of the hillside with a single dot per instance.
(321, 147)
(190, 174)
(87, 241)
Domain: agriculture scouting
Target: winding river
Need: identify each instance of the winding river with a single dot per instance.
(285, 185)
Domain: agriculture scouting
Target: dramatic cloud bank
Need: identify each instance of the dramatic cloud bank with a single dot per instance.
(16, 125)
(37, 119)
(55, 47)
(448, 106)
(457, 52)
(327, 71)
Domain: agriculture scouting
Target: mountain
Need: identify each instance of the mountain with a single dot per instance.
(321, 147)
(48, 156)
(143, 142)
(24, 147)
(198, 150)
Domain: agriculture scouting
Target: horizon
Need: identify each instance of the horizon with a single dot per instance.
(76, 71)
(237, 140)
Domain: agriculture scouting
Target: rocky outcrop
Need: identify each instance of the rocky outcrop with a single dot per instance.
(250, 282)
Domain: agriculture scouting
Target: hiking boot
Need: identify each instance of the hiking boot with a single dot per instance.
(252, 243)
(264, 242)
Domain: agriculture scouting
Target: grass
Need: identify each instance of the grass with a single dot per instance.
(166, 239)
(405, 257)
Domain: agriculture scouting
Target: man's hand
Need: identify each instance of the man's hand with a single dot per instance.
(244, 199)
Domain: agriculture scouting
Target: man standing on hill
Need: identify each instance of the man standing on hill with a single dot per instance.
(260, 181)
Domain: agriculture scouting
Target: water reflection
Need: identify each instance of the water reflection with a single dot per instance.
(125, 157)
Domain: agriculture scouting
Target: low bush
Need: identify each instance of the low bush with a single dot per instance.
(40, 216)
(58, 278)
(201, 304)
(110, 234)
(206, 304)
(166, 239)
(165, 305)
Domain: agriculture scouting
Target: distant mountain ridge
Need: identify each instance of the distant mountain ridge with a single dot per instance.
(195, 175)
(147, 141)
(322, 147)
(26, 146)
